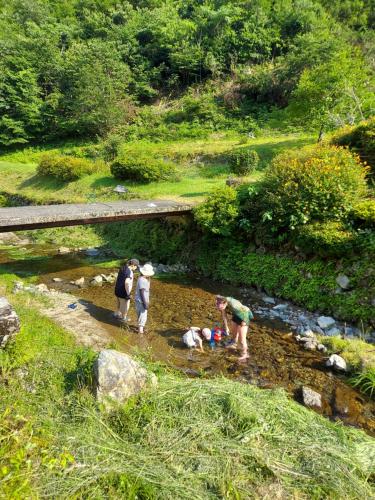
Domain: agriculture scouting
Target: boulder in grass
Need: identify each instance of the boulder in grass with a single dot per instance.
(333, 332)
(9, 322)
(63, 250)
(343, 281)
(337, 362)
(118, 377)
(311, 398)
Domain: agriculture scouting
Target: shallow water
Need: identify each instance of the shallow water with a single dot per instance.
(276, 360)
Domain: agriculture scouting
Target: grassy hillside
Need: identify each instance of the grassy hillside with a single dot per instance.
(200, 167)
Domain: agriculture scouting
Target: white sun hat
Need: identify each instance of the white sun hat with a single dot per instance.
(206, 332)
(147, 270)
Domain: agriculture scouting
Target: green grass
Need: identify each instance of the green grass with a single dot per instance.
(200, 166)
(188, 438)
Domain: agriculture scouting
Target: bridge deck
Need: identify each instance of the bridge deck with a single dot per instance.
(36, 217)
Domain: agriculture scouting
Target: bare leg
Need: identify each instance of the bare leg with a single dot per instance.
(234, 330)
(242, 332)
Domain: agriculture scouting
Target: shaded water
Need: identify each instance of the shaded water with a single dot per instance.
(276, 360)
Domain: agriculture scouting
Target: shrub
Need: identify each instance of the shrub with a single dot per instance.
(363, 214)
(139, 167)
(361, 139)
(66, 168)
(328, 239)
(219, 212)
(111, 146)
(243, 161)
(303, 186)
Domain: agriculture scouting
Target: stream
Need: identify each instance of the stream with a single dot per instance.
(276, 359)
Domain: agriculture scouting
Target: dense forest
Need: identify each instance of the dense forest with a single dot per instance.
(83, 68)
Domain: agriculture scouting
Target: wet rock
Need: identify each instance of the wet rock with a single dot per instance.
(311, 398)
(41, 288)
(269, 300)
(325, 322)
(337, 362)
(57, 280)
(92, 252)
(333, 332)
(280, 307)
(321, 348)
(117, 377)
(308, 333)
(79, 282)
(343, 281)
(63, 250)
(96, 280)
(310, 345)
(9, 322)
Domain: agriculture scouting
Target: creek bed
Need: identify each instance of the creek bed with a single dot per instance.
(276, 359)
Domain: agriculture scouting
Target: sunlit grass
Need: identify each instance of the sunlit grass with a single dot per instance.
(200, 167)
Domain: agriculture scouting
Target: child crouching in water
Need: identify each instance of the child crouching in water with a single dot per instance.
(194, 337)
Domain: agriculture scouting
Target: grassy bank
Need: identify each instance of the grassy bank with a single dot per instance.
(199, 163)
(186, 439)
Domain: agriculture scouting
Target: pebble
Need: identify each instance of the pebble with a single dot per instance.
(311, 398)
(57, 280)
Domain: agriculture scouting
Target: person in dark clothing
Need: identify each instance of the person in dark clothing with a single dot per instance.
(123, 288)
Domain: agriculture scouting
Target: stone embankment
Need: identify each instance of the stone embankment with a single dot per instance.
(9, 322)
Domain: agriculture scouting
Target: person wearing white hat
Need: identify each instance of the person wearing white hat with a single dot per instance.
(142, 295)
(194, 336)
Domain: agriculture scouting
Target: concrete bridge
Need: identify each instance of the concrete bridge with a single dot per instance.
(41, 216)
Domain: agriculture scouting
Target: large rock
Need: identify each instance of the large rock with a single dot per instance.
(118, 376)
(325, 322)
(96, 280)
(343, 281)
(336, 361)
(311, 398)
(333, 332)
(9, 322)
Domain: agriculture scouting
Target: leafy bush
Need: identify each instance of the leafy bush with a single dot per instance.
(219, 212)
(243, 161)
(3, 201)
(139, 167)
(328, 239)
(363, 214)
(111, 146)
(360, 139)
(302, 186)
(66, 168)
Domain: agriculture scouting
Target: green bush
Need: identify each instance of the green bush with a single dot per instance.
(243, 161)
(66, 168)
(303, 186)
(3, 201)
(139, 167)
(327, 239)
(363, 214)
(219, 212)
(360, 139)
(111, 146)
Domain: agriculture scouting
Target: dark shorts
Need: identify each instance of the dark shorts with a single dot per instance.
(238, 320)
(124, 296)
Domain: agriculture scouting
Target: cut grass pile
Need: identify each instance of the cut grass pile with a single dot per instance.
(186, 438)
(200, 167)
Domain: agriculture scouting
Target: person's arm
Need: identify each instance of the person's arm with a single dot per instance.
(199, 340)
(143, 297)
(128, 285)
(225, 321)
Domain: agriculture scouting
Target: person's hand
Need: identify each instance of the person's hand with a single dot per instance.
(145, 306)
